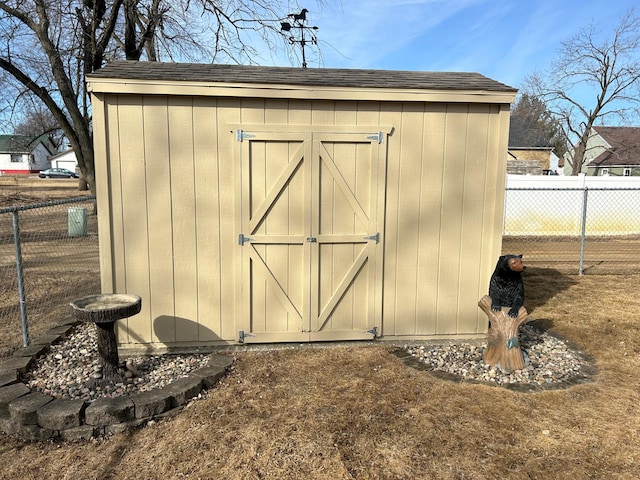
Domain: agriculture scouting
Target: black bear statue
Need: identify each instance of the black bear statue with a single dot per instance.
(506, 288)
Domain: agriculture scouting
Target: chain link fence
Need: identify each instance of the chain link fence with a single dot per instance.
(49, 251)
(48, 257)
(574, 230)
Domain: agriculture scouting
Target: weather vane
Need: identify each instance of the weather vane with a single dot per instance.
(299, 22)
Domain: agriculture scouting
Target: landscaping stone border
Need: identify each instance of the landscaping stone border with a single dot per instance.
(32, 415)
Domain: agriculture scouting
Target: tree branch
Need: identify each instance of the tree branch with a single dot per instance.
(38, 91)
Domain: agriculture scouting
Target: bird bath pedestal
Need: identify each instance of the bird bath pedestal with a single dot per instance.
(104, 310)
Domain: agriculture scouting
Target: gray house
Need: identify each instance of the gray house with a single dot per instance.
(611, 151)
(618, 151)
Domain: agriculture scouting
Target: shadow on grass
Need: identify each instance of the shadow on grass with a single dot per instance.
(542, 284)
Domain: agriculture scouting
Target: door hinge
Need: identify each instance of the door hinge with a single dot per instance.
(377, 137)
(242, 239)
(241, 135)
(375, 237)
(242, 335)
(374, 332)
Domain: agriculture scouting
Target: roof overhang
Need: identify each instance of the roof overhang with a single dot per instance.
(284, 91)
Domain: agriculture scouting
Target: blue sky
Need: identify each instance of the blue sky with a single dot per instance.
(502, 39)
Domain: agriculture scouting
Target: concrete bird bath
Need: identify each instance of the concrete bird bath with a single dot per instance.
(104, 310)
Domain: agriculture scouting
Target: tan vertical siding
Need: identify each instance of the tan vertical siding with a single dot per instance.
(493, 200)
(429, 201)
(472, 212)
(173, 201)
(450, 245)
(132, 243)
(183, 217)
(228, 112)
(300, 112)
(113, 280)
(103, 194)
(208, 219)
(494, 192)
(407, 211)
(391, 114)
(439, 232)
(158, 202)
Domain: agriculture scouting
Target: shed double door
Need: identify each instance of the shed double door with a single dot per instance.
(311, 226)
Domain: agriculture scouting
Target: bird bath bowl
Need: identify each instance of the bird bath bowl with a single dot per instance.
(104, 310)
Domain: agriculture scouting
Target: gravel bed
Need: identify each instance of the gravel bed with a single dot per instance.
(548, 360)
(68, 368)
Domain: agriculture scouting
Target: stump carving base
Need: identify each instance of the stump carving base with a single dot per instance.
(503, 345)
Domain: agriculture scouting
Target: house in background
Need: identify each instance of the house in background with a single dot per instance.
(22, 154)
(614, 151)
(532, 161)
(610, 151)
(66, 159)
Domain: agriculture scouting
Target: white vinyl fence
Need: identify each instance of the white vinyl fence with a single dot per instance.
(557, 205)
(591, 222)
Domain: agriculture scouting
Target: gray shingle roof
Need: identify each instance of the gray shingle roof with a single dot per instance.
(625, 146)
(325, 77)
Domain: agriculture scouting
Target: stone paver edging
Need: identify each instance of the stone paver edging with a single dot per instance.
(32, 415)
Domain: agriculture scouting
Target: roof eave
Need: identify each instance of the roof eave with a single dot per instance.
(289, 91)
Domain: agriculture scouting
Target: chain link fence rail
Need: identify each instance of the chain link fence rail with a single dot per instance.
(48, 257)
(584, 230)
(49, 251)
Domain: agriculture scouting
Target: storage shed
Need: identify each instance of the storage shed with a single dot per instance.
(268, 204)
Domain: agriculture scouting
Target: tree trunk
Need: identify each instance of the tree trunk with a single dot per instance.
(108, 352)
(503, 346)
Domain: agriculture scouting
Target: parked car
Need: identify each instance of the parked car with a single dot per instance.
(57, 173)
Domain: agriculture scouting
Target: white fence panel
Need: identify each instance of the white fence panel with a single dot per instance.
(555, 205)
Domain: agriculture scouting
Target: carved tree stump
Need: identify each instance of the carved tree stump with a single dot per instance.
(503, 346)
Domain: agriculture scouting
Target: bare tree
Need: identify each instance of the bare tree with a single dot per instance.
(595, 79)
(47, 47)
(38, 120)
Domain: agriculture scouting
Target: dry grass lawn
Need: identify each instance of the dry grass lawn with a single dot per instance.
(57, 269)
(358, 412)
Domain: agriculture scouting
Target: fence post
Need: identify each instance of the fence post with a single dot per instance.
(20, 273)
(585, 195)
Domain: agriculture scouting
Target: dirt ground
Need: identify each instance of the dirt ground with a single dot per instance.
(358, 412)
(30, 187)
(602, 255)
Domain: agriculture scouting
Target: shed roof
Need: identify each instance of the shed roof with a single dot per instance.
(335, 77)
(193, 78)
